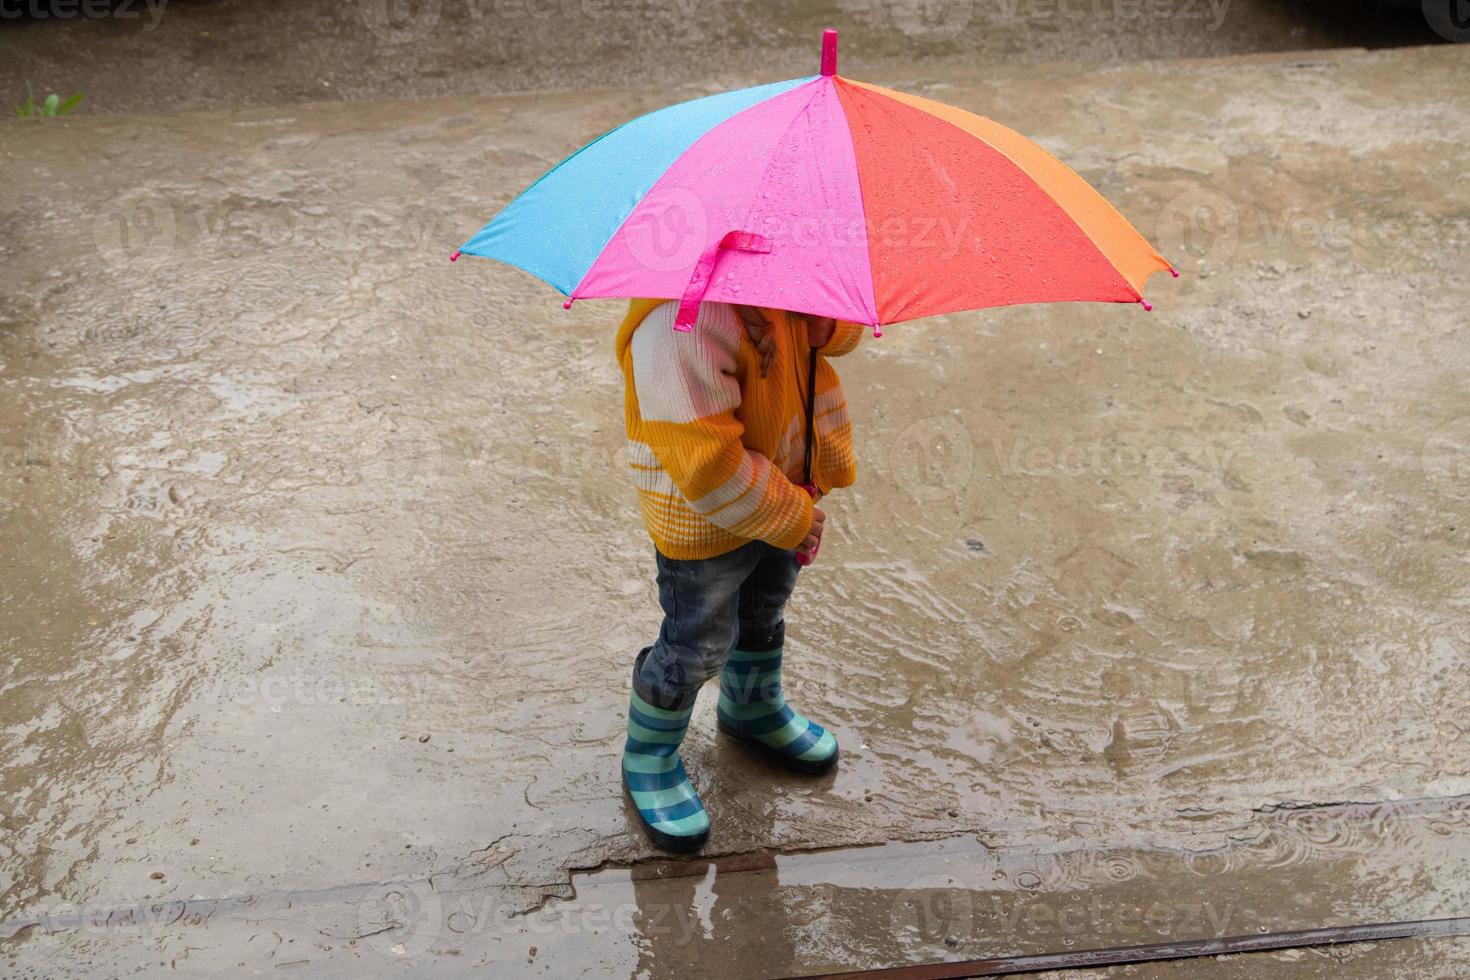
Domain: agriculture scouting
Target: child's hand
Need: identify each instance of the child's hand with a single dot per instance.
(814, 536)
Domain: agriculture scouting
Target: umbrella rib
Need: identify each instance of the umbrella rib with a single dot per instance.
(776, 145)
(874, 320)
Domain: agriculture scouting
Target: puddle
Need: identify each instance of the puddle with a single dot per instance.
(909, 903)
(769, 914)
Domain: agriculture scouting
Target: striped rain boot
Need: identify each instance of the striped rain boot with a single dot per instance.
(654, 776)
(753, 710)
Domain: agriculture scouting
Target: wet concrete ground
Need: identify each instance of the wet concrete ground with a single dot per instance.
(321, 581)
(151, 55)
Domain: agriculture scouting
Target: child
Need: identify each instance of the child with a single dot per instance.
(723, 430)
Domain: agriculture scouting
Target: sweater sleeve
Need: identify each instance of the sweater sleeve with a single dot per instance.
(845, 337)
(687, 396)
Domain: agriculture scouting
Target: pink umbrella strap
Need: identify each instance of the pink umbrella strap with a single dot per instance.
(739, 241)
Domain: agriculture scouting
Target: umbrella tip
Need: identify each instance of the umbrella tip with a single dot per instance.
(877, 331)
(1174, 273)
(454, 257)
(829, 52)
(568, 304)
(1147, 306)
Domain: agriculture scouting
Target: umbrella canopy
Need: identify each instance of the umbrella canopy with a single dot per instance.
(821, 195)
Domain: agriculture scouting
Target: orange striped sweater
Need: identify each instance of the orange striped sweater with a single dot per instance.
(716, 450)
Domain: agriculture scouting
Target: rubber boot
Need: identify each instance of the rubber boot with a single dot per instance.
(753, 710)
(653, 772)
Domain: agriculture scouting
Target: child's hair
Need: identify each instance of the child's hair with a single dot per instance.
(759, 328)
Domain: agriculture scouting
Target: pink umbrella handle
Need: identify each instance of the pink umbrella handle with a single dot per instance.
(810, 556)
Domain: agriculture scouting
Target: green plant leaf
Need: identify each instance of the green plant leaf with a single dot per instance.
(52, 101)
(69, 104)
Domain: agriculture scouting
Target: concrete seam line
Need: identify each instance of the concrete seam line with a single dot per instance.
(1153, 952)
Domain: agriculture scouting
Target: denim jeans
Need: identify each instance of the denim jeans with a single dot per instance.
(737, 599)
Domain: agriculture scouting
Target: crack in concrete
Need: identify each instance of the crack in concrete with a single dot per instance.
(200, 911)
(978, 834)
(1295, 806)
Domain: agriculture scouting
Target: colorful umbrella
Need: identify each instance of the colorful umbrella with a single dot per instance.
(821, 195)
